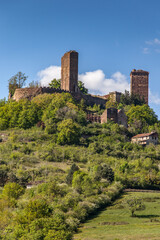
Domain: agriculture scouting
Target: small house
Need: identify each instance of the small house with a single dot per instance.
(145, 138)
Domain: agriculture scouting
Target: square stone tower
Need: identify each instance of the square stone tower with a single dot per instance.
(139, 83)
(69, 71)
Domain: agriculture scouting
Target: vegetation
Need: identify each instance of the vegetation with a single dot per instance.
(140, 117)
(127, 99)
(56, 83)
(116, 222)
(73, 167)
(17, 81)
(135, 204)
(34, 84)
(82, 88)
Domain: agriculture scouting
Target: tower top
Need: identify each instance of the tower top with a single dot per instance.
(71, 51)
(139, 72)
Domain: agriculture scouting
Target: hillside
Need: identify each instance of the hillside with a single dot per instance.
(57, 169)
(115, 221)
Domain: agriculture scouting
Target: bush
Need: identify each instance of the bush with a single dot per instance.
(12, 190)
(68, 132)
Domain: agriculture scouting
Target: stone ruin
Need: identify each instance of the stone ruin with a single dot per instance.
(139, 83)
(69, 83)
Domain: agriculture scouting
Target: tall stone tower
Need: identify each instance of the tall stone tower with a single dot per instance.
(69, 71)
(139, 83)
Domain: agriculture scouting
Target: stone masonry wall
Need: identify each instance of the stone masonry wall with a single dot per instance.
(109, 114)
(29, 93)
(139, 83)
(69, 71)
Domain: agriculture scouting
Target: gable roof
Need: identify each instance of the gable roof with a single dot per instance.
(145, 134)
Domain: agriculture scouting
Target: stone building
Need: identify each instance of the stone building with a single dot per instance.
(114, 96)
(69, 71)
(139, 83)
(145, 138)
(109, 114)
(115, 115)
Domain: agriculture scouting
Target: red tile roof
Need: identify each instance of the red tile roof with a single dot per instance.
(144, 134)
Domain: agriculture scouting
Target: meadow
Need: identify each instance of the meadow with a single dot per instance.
(115, 222)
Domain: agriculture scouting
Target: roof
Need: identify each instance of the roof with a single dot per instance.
(145, 134)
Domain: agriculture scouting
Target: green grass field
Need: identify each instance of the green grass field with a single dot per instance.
(116, 223)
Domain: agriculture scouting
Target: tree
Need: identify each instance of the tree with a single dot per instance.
(135, 204)
(82, 87)
(29, 115)
(127, 99)
(103, 171)
(17, 81)
(12, 190)
(3, 174)
(82, 183)
(55, 83)
(34, 84)
(68, 132)
(73, 169)
(111, 104)
(37, 208)
(144, 115)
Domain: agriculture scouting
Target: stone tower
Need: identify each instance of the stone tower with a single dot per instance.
(69, 71)
(139, 83)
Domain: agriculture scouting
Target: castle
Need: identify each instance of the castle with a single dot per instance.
(69, 83)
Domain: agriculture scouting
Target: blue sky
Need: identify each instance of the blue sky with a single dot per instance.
(112, 38)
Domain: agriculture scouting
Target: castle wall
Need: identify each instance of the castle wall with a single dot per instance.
(29, 93)
(139, 83)
(89, 99)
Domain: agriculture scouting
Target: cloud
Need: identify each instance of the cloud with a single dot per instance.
(146, 50)
(154, 98)
(48, 74)
(95, 81)
(155, 41)
(98, 83)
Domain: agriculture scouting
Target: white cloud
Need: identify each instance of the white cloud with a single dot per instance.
(95, 81)
(154, 98)
(48, 74)
(98, 83)
(146, 50)
(155, 41)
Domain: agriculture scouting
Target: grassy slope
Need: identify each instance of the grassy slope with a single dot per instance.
(115, 222)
